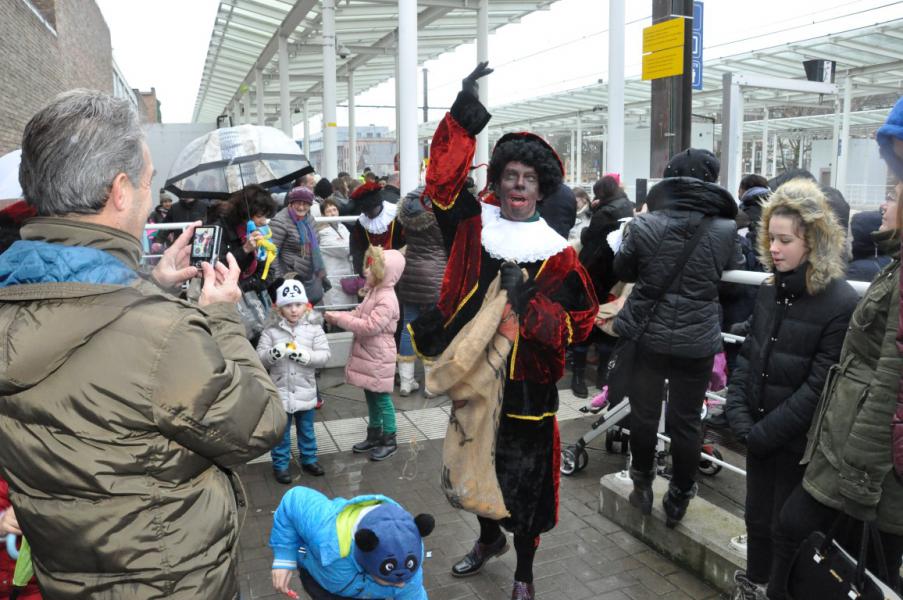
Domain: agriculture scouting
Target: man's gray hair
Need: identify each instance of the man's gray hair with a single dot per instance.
(394, 178)
(74, 147)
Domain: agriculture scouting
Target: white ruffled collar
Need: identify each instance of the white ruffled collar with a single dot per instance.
(520, 241)
(381, 223)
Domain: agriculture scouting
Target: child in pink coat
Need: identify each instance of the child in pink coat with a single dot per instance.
(371, 364)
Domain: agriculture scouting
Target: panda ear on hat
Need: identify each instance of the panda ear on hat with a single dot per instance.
(366, 540)
(425, 524)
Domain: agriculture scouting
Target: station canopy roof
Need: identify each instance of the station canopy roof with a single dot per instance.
(872, 55)
(245, 37)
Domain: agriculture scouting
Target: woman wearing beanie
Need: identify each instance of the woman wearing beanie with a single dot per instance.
(796, 333)
(675, 254)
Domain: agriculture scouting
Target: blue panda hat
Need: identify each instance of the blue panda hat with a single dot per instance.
(389, 542)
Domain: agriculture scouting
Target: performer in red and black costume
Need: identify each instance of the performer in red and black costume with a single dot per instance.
(555, 307)
(376, 225)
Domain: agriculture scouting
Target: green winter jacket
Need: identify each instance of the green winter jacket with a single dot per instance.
(122, 410)
(849, 454)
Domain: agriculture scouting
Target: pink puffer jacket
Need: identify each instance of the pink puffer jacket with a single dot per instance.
(371, 365)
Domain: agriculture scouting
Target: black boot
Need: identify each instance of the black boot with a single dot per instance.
(474, 560)
(386, 448)
(675, 503)
(641, 496)
(373, 435)
(578, 385)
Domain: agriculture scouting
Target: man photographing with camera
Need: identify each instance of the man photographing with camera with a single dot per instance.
(122, 408)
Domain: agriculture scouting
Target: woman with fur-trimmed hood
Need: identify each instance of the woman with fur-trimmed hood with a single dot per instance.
(796, 334)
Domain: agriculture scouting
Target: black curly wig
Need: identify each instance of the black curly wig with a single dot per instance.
(529, 152)
(248, 202)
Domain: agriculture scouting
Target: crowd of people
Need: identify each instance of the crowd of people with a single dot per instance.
(130, 393)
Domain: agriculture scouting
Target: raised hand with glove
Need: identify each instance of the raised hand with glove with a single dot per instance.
(467, 109)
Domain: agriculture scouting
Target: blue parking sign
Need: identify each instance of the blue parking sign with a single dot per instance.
(696, 37)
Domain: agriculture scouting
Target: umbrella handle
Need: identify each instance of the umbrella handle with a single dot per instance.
(11, 546)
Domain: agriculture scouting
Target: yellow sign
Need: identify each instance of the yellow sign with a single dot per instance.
(664, 35)
(664, 63)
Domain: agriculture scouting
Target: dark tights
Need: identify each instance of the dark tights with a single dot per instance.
(524, 546)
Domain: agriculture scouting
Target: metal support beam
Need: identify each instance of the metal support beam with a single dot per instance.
(352, 127)
(774, 155)
(407, 93)
(578, 168)
(329, 166)
(614, 148)
(731, 132)
(285, 115)
(259, 95)
(835, 142)
(482, 154)
(306, 115)
(765, 145)
(844, 145)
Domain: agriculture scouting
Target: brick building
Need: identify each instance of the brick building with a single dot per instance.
(47, 47)
(148, 106)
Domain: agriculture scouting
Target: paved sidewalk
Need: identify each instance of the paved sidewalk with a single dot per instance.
(585, 556)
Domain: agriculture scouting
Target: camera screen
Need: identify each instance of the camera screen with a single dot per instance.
(202, 246)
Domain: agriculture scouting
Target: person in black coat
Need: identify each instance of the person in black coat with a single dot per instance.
(868, 259)
(796, 333)
(683, 334)
(611, 205)
(186, 210)
(559, 209)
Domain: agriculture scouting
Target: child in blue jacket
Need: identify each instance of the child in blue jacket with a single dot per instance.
(363, 547)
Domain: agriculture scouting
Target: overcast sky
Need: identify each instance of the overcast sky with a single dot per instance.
(164, 44)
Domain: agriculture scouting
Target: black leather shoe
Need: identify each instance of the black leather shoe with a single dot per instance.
(283, 477)
(578, 383)
(386, 447)
(523, 591)
(373, 436)
(675, 504)
(477, 557)
(641, 496)
(313, 469)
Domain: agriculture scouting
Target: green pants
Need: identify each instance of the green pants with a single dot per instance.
(382, 412)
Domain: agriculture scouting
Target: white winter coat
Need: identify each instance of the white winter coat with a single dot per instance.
(296, 383)
(333, 240)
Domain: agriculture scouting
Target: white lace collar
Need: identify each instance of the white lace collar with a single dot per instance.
(381, 223)
(520, 241)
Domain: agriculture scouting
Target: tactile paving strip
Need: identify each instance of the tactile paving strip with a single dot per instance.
(339, 435)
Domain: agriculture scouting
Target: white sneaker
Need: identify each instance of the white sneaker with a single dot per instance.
(744, 589)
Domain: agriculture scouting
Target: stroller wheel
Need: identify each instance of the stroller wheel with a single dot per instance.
(707, 467)
(573, 459)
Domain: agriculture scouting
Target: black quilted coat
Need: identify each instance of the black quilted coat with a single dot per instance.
(686, 321)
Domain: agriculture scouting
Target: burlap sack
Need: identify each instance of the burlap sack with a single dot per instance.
(472, 371)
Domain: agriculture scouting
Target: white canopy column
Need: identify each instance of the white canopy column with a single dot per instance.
(614, 149)
(259, 93)
(285, 114)
(329, 166)
(306, 117)
(352, 128)
(407, 94)
(482, 154)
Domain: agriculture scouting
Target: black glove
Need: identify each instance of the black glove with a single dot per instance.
(469, 84)
(519, 291)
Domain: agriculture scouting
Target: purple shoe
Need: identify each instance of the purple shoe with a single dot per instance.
(523, 591)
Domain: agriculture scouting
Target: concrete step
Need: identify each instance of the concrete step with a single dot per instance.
(700, 542)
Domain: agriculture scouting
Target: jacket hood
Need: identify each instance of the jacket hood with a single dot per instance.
(387, 265)
(412, 214)
(824, 237)
(754, 195)
(690, 194)
(887, 133)
(862, 225)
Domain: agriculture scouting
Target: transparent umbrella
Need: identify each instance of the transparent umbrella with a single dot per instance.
(226, 160)
(9, 176)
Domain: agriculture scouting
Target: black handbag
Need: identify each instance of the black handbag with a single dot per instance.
(623, 357)
(822, 569)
